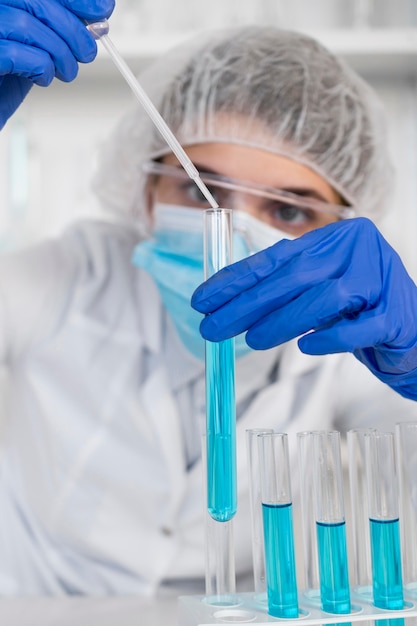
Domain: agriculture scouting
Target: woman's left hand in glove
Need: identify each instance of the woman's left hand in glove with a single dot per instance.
(340, 288)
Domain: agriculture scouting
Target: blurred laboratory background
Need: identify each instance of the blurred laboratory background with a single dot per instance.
(48, 150)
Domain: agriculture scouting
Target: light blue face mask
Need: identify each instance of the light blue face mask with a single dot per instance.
(174, 258)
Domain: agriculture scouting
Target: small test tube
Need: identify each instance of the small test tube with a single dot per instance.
(406, 447)
(220, 382)
(305, 463)
(281, 579)
(255, 495)
(330, 523)
(362, 566)
(384, 521)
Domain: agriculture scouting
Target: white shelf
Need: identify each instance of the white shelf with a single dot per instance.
(370, 51)
(376, 51)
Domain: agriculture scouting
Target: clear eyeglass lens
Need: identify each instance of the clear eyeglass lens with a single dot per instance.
(283, 210)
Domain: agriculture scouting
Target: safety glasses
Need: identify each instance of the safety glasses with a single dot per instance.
(290, 212)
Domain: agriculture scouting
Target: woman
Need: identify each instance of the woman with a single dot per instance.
(101, 473)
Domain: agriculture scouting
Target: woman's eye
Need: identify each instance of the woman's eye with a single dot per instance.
(290, 213)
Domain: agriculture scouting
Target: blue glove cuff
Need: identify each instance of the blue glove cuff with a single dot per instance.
(403, 382)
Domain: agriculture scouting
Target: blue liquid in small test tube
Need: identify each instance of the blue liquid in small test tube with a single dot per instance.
(280, 560)
(334, 577)
(220, 383)
(384, 525)
(221, 438)
(386, 564)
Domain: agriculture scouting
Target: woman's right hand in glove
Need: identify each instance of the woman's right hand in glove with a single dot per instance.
(43, 39)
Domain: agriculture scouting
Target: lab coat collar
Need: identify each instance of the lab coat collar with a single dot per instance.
(295, 363)
(252, 370)
(255, 370)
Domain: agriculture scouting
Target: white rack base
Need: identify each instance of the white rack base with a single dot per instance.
(244, 608)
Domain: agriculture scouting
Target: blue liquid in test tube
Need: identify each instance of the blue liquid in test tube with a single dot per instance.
(381, 472)
(386, 564)
(221, 438)
(330, 522)
(280, 560)
(332, 556)
(220, 383)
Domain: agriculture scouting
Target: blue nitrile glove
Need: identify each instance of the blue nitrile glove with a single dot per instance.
(343, 282)
(41, 39)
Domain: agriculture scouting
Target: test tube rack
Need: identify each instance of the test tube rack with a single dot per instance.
(244, 608)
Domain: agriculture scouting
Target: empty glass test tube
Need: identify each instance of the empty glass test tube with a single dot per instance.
(384, 520)
(330, 523)
(362, 567)
(305, 463)
(406, 446)
(281, 579)
(255, 494)
(220, 382)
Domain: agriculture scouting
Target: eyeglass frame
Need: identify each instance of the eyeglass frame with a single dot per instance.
(233, 184)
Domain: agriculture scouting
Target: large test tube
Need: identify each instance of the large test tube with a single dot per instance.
(406, 442)
(281, 577)
(255, 494)
(384, 520)
(330, 523)
(220, 382)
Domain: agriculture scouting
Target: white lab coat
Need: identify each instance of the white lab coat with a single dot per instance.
(101, 487)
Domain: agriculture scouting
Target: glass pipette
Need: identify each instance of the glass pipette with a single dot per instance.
(100, 31)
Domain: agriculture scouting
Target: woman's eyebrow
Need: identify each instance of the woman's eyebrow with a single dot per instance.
(306, 192)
